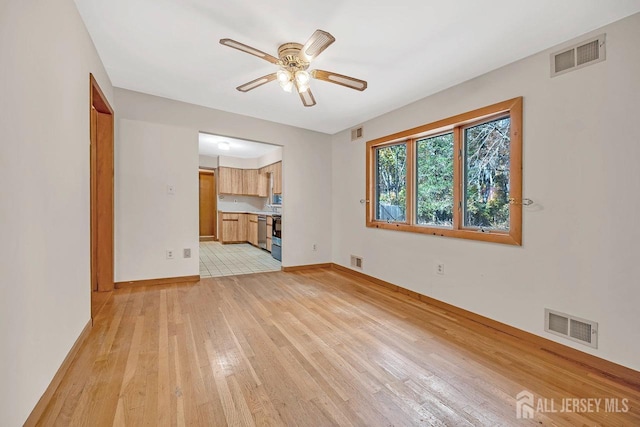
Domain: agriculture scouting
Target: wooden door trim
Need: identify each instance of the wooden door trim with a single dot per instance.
(99, 105)
(97, 97)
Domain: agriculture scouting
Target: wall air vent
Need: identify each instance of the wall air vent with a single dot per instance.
(580, 55)
(571, 327)
(356, 261)
(356, 133)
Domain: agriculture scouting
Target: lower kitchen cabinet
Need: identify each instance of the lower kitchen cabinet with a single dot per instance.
(269, 231)
(241, 227)
(233, 227)
(252, 230)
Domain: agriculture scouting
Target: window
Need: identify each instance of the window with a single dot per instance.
(434, 180)
(458, 177)
(391, 183)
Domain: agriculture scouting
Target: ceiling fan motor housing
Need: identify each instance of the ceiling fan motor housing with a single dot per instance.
(290, 59)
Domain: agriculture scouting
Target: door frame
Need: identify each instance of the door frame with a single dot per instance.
(101, 176)
(215, 203)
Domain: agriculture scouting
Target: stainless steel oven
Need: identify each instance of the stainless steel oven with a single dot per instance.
(276, 237)
(277, 226)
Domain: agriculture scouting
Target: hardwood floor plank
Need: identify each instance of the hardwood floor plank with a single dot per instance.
(311, 348)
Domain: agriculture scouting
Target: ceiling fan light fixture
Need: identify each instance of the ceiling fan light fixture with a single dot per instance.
(302, 87)
(283, 76)
(302, 77)
(287, 85)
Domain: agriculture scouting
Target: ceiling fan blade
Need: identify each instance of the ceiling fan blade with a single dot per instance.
(256, 83)
(307, 98)
(339, 79)
(317, 43)
(248, 49)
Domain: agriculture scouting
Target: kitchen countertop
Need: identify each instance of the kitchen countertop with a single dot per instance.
(267, 213)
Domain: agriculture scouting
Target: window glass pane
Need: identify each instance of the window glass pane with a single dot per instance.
(434, 175)
(486, 186)
(391, 183)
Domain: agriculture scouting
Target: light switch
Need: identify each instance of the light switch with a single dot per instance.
(171, 190)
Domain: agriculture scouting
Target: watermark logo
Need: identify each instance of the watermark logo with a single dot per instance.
(524, 405)
(527, 405)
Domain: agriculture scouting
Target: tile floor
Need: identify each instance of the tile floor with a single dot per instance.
(218, 260)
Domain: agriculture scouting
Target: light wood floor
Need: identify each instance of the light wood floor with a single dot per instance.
(311, 348)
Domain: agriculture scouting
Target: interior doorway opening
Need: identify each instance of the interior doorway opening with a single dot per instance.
(248, 194)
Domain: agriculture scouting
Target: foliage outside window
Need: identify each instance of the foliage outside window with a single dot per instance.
(458, 177)
(391, 183)
(434, 183)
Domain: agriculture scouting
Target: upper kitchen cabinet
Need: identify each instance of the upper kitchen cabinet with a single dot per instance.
(255, 183)
(263, 185)
(244, 182)
(250, 182)
(277, 178)
(230, 180)
(275, 170)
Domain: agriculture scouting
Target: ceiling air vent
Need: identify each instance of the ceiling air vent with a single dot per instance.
(571, 327)
(580, 55)
(356, 261)
(356, 133)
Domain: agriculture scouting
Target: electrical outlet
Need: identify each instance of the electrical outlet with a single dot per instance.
(169, 253)
(440, 268)
(314, 247)
(186, 253)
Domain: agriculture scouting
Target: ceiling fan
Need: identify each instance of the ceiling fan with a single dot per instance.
(294, 60)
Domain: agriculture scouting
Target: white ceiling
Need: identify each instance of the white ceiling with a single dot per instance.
(405, 49)
(208, 146)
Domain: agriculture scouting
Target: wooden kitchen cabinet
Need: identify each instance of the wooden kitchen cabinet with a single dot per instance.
(251, 182)
(269, 231)
(277, 178)
(243, 225)
(252, 229)
(244, 182)
(263, 185)
(233, 227)
(275, 171)
(230, 180)
(230, 227)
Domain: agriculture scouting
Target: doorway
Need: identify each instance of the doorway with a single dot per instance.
(247, 192)
(208, 214)
(101, 191)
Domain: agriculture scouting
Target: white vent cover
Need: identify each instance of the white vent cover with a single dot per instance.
(587, 52)
(356, 261)
(571, 327)
(356, 133)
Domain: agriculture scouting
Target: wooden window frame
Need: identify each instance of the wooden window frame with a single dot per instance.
(455, 124)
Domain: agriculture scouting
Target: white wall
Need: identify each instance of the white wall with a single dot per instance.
(46, 56)
(306, 166)
(238, 162)
(235, 203)
(208, 162)
(148, 220)
(270, 158)
(579, 254)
